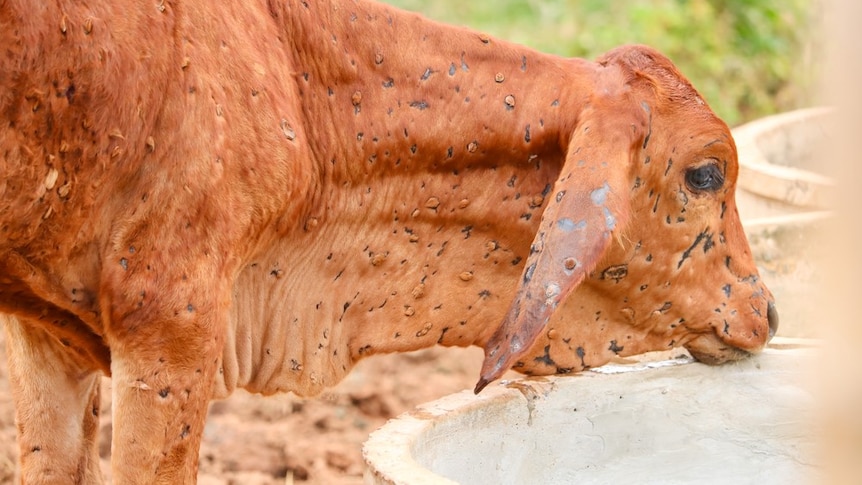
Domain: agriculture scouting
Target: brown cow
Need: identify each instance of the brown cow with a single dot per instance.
(197, 198)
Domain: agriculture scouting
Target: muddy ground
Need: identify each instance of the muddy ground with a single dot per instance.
(254, 440)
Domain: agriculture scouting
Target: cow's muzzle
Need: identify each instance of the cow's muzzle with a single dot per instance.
(710, 349)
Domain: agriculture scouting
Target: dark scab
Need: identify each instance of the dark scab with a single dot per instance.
(450, 152)
(546, 358)
(560, 195)
(484, 294)
(516, 261)
(684, 199)
(708, 243)
(726, 289)
(164, 393)
(528, 274)
(420, 105)
(669, 164)
(756, 310)
(581, 353)
(649, 125)
(190, 308)
(185, 432)
(700, 237)
(615, 348)
(527, 137)
(389, 83)
(615, 273)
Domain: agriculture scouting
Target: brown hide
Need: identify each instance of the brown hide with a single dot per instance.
(195, 199)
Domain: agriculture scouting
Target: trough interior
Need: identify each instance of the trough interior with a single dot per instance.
(747, 423)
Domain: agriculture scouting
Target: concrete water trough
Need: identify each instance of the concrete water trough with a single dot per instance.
(662, 421)
(661, 418)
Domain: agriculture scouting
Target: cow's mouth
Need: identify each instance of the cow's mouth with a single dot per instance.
(710, 349)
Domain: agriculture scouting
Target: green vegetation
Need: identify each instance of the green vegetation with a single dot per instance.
(748, 58)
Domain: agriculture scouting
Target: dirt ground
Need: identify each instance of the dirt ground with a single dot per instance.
(255, 440)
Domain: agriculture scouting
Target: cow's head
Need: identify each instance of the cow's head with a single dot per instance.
(640, 247)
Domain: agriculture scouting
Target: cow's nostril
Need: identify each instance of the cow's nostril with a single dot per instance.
(772, 316)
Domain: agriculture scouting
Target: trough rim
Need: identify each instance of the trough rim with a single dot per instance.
(795, 186)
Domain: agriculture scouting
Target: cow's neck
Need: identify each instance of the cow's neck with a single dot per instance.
(384, 89)
(436, 146)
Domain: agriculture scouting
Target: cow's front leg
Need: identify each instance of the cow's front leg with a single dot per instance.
(163, 372)
(56, 408)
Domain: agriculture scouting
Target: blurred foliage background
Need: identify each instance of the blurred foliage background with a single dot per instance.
(748, 58)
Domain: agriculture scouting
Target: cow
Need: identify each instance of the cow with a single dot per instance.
(198, 198)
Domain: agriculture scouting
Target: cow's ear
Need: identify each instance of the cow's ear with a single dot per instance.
(589, 203)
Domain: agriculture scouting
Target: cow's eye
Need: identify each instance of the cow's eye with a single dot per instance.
(704, 178)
